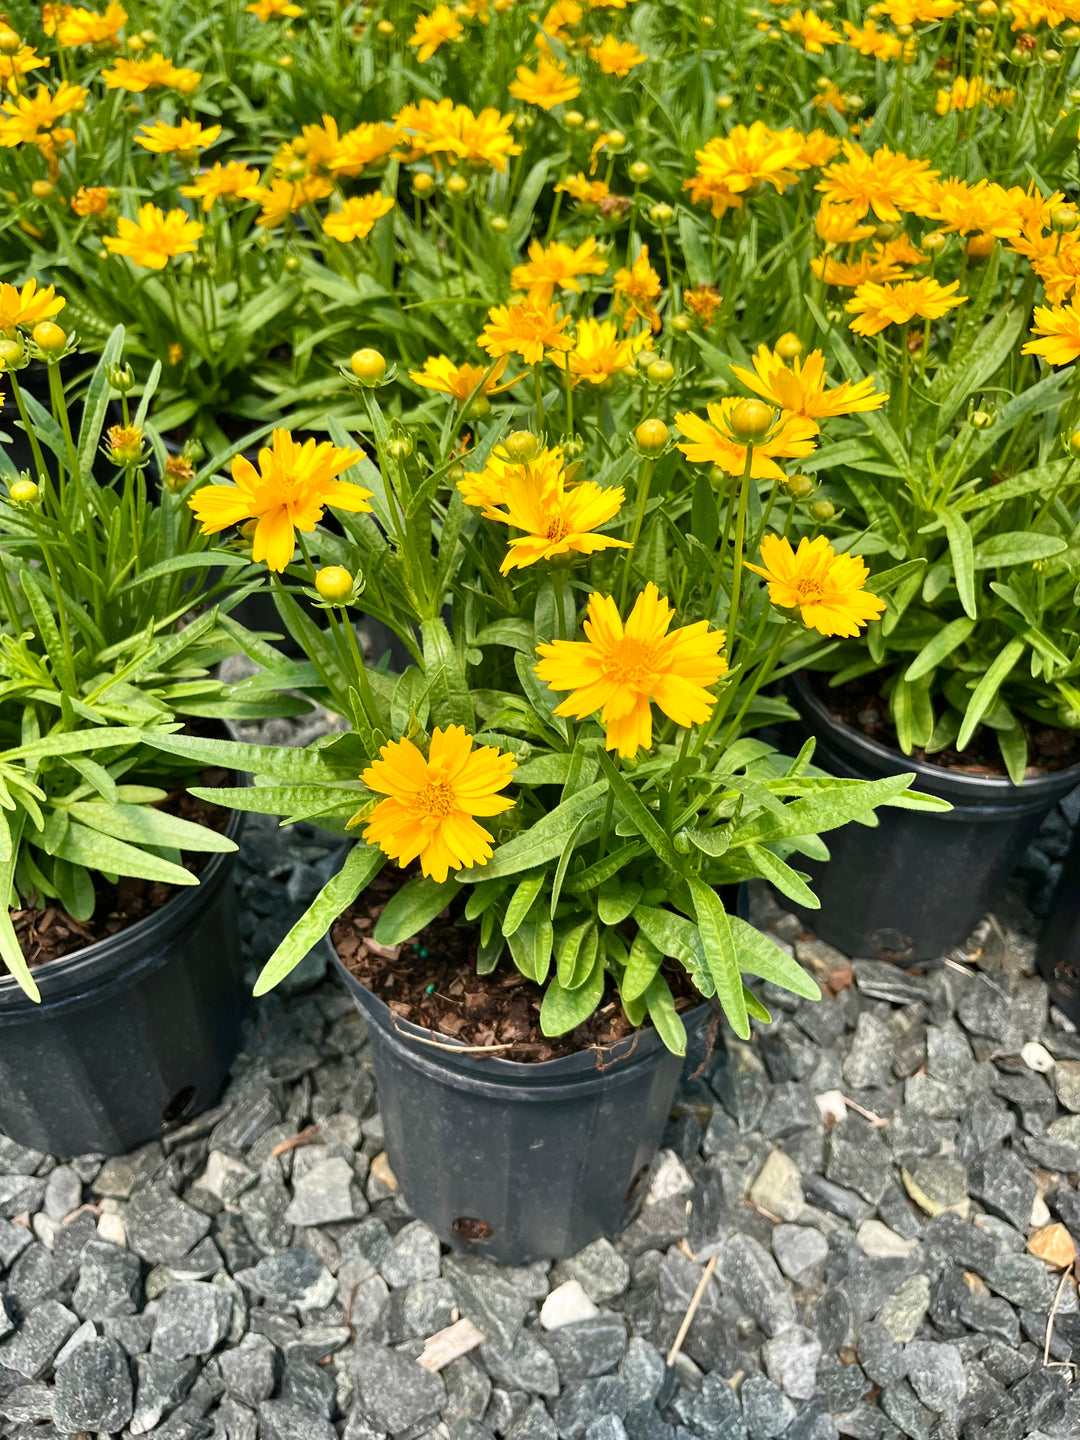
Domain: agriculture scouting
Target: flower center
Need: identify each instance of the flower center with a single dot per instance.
(630, 662)
(435, 801)
(808, 590)
(558, 529)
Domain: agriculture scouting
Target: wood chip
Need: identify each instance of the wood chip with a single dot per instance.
(450, 1344)
(305, 1137)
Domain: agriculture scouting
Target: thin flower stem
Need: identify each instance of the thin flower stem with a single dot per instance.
(737, 555)
(645, 475)
(31, 433)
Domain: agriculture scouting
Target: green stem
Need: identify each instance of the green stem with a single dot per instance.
(31, 433)
(645, 475)
(737, 553)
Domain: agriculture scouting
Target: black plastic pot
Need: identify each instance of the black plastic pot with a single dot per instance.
(133, 1033)
(917, 884)
(1058, 956)
(513, 1161)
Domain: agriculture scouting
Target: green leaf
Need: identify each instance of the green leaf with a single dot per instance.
(760, 956)
(1014, 751)
(754, 1008)
(277, 762)
(362, 863)
(962, 550)
(521, 902)
(716, 938)
(543, 841)
(101, 852)
(415, 905)
(48, 631)
(448, 690)
(617, 900)
(942, 645)
(780, 874)
(665, 1017)
(641, 966)
(1017, 547)
(144, 825)
(639, 815)
(564, 1009)
(97, 402)
(985, 692)
(837, 802)
(543, 940)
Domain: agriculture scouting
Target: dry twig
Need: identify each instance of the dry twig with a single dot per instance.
(691, 1310)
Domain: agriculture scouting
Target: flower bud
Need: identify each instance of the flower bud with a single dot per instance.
(457, 186)
(724, 102)
(823, 509)
(11, 352)
(385, 27)
(789, 346)
(660, 372)
(23, 492)
(1064, 219)
(616, 141)
(1070, 35)
(1051, 59)
(1072, 444)
(400, 447)
(42, 189)
(9, 40)
(179, 472)
(982, 419)
(639, 172)
(682, 843)
(423, 183)
(980, 247)
(120, 377)
(751, 420)
(500, 224)
(987, 10)
(651, 436)
(48, 336)
(661, 214)
(369, 366)
(681, 323)
(522, 446)
(799, 486)
(935, 242)
(333, 582)
(573, 120)
(478, 407)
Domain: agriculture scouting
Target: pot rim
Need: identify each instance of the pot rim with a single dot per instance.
(966, 785)
(641, 1044)
(57, 978)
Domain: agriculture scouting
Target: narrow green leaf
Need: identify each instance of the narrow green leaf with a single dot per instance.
(662, 1012)
(563, 1009)
(780, 874)
(962, 550)
(415, 905)
(985, 692)
(716, 938)
(937, 649)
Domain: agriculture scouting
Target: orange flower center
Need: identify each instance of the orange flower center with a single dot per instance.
(558, 529)
(808, 590)
(630, 662)
(436, 800)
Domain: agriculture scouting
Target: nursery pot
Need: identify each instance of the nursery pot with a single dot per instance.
(513, 1161)
(917, 884)
(133, 1033)
(1058, 956)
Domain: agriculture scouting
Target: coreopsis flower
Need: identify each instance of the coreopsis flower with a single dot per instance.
(1035, 210)
(124, 444)
(561, 18)
(703, 301)
(434, 30)
(840, 225)
(185, 139)
(870, 41)
(802, 389)
(918, 12)
(635, 289)
(155, 238)
(179, 472)
(74, 27)
(556, 267)
(14, 67)
(875, 306)
(312, 152)
(1059, 330)
(817, 148)
(828, 590)
(357, 216)
(1030, 14)
(231, 181)
(597, 352)
(982, 208)
(454, 131)
(831, 98)
(886, 181)
(850, 274)
(431, 805)
(29, 305)
(282, 198)
(363, 146)
(90, 200)
(26, 116)
(616, 57)
(462, 381)
(713, 442)
(288, 492)
(154, 72)
(967, 94)
(556, 519)
(620, 670)
(486, 489)
(1059, 269)
(812, 30)
(584, 190)
(547, 86)
(749, 158)
(526, 330)
(265, 10)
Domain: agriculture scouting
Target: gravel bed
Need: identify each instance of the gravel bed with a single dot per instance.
(881, 1190)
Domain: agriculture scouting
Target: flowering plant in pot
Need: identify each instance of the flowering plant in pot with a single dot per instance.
(566, 781)
(120, 962)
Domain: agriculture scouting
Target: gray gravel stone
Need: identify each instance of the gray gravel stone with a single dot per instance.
(160, 1227)
(599, 1269)
(535, 1424)
(31, 1350)
(93, 1389)
(160, 1386)
(750, 1273)
(869, 1061)
(393, 1393)
(936, 1374)
(1004, 1186)
(527, 1365)
(63, 1193)
(766, 1409)
(323, 1194)
(249, 1370)
(791, 1361)
(192, 1319)
(801, 1254)
(281, 1420)
(108, 1282)
(415, 1256)
(582, 1403)
(587, 1347)
(494, 1304)
(295, 1277)
(906, 1308)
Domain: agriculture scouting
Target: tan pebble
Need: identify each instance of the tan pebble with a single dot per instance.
(1054, 1246)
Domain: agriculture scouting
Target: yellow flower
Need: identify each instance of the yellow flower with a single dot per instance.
(525, 330)
(431, 803)
(13, 67)
(454, 131)
(597, 352)
(967, 94)
(556, 267)
(155, 238)
(814, 32)
(1060, 270)
(827, 589)
(73, 27)
(817, 148)
(982, 208)
(849, 275)
(839, 225)
(357, 216)
(870, 41)
(234, 181)
(1060, 330)
(703, 301)
(753, 156)
(487, 489)
(547, 86)
(635, 289)
(584, 190)
(25, 116)
(885, 182)
(140, 75)
(362, 146)
(434, 30)
(274, 10)
(460, 381)
(712, 442)
(917, 12)
(92, 200)
(281, 198)
(185, 139)
(615, 58)
(288, 492)
(29, 305)
(801, 390)
(556, 519)
(620, 670)
(877, 306)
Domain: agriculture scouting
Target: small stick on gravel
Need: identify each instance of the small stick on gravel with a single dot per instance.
(1049, 1364)
(691, 1310)
(305, 1137)
(450, 1344)
(875, 1120)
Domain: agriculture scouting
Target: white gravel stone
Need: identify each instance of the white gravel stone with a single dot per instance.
(1036, 1057)
(566, 1304)
(878, 1242)
(669, 1178)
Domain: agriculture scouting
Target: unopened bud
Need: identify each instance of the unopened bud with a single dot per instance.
(369, 366)
(333, 582)
(48, 336)
(750, 420)
(800, 487)
(789, 346)
(522, 446)
(651, 436)
(23, 492)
